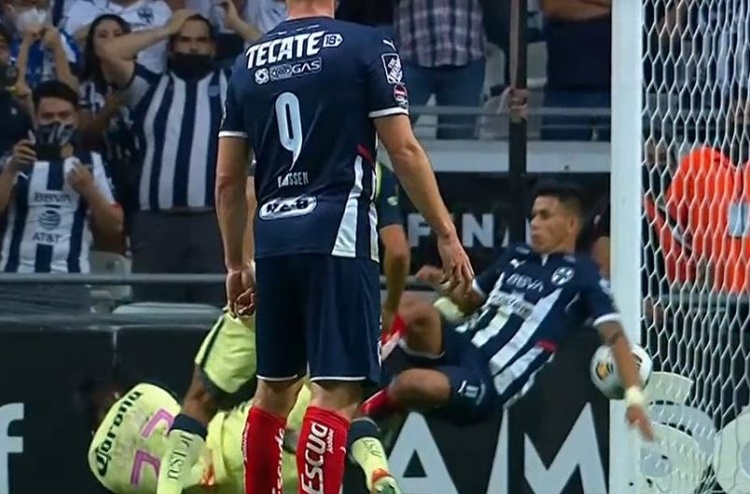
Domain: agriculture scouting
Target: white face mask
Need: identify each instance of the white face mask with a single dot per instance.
(30, 19)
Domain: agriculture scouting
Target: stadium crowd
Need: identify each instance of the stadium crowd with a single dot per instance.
(128, 96)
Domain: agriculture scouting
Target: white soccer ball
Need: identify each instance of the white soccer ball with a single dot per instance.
(604, 371)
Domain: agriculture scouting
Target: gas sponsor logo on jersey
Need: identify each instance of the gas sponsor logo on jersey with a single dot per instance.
(298, 69)
(319, 442)
(394, 73)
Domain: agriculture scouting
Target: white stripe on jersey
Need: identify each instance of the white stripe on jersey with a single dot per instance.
(346, 237)
(50, 218)
(530, 326)
(173, 91)
(507, 376)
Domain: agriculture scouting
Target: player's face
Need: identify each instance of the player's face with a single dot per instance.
(194, 39)
(554, 227)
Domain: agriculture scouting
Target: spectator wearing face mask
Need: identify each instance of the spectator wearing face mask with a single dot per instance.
(39, 50)
(177, 114)
(53, 193)
(138, 14)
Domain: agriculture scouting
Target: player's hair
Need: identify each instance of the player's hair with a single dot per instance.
(55, 89)
(91, 389)
(196, 17)
(569, 194)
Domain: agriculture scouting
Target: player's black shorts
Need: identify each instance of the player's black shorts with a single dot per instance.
(473, 394)
(319, 310)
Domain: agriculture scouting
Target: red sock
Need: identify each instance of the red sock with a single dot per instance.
(261, 445)
(380, 405)
(321, 452)
(389, 339)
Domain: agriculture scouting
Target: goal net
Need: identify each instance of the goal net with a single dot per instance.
(695, 263)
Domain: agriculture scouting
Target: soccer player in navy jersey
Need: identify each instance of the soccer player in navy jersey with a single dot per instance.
(521, 308)
(307, 100)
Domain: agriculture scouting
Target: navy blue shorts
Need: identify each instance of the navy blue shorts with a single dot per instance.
(473, 394)
(317, 314)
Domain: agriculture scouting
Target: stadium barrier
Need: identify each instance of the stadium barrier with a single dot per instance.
(552, 441)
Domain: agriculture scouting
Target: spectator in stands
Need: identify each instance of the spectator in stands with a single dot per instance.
(39, 50)
(442, 49)
(139, 14)
(178, 113)
(228, 43)
(264, 14)
(579, 41)
(53, 193)
(106, 125)
(15, 122)
(377, 13)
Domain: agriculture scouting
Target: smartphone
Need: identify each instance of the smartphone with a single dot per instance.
(47, 152)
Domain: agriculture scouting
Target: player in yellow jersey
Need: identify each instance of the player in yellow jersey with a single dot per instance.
(225, 365)
(131, 437)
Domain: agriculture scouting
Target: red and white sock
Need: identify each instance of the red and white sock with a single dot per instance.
(389, 339)
(321, 451)
(261, 445)
(380, 405)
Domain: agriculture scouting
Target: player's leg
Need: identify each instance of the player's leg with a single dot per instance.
(342, 321)
(281, 366)
(224, 364)
(366, 449)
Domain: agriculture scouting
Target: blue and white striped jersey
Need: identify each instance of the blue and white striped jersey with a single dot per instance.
(532, 302)
(305, 96)
(178, 121)
(48, 224)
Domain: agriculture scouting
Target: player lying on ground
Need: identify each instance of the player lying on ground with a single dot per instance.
(520, 310)
(130, 427)
(226, 362)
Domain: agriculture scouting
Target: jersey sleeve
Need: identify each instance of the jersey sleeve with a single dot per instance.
(232, 123)
(486, 280)
(597, 296)
(76, 17)
(139, 85)
(387, 200)
(386, 90)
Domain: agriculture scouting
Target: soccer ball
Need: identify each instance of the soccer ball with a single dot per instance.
(604, 371)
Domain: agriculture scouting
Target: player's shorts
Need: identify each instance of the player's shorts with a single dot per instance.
(227, 357)
(473, 394)
(317, 314)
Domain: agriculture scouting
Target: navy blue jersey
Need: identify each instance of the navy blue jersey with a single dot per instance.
(305, 96)
(386, 198)
(532, 303)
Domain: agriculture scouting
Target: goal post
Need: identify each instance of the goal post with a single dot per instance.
(680, 241)
(627, 83)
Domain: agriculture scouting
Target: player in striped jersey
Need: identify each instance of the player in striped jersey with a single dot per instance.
(521, 309)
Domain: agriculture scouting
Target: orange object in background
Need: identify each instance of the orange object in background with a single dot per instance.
(710, 197)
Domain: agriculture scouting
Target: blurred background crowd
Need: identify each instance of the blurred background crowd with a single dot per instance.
(109, 111)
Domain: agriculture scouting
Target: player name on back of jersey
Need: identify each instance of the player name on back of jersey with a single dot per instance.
(302, 47)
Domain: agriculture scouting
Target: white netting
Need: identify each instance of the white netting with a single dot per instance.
(696, 244)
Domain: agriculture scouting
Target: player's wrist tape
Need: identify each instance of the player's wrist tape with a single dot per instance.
(634, 397)
(448, 309)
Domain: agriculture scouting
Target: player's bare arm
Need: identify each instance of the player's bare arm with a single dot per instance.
(414, 172)
(119, 54)
(613, 335)
(232, 209)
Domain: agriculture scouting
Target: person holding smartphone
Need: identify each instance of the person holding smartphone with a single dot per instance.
(53, 193)
(15, 122)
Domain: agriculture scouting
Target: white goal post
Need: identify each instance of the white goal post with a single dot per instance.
(680, 246)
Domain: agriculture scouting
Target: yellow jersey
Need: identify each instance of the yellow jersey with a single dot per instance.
(126, 450)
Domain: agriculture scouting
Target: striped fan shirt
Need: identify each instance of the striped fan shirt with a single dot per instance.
(47, 229)
(178, 122)
(439, 33)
